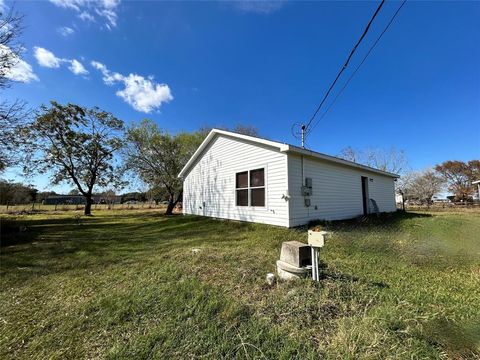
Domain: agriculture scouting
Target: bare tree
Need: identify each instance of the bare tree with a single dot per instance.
(423, 185)
(243, 129)
(12, 115)
(389, 160)
(349, 154)
(246, 130)
(10, 47)
(404, 185)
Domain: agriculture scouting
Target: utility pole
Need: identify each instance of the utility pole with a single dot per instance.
(303, 136)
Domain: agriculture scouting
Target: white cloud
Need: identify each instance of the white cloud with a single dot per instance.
(3, 7)
(258, 6)
(46, 58)
(99, 66)
(21, 71)
(85, 16)
(77, 68)
(143, 94)
(106, 9)
(65, 31)
(69, 4)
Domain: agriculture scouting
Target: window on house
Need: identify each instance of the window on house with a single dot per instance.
(242, 188)
(250, 188)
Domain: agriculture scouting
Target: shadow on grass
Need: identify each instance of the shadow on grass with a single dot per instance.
(326, 273)
(23, 231)
(461, 341)
(370, 222)
(48, 246)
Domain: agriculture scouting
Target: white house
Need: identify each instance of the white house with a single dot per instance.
(240, 177)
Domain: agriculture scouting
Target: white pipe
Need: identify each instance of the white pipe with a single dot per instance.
(315, 264)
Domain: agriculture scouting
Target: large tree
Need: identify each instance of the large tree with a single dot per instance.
(75, 145)
(12, 114)
(459, 176)
(157, 157)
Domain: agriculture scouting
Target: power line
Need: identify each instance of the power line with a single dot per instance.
(346, 64)
(359, 65)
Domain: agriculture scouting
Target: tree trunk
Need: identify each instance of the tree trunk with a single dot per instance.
(88, 205)
(171, 205)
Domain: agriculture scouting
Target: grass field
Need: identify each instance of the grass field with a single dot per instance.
(126, 284)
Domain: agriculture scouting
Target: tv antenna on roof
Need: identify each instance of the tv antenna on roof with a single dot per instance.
(299, 133)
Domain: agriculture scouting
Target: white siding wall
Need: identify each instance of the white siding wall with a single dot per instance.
(212, 180)
(337, 191)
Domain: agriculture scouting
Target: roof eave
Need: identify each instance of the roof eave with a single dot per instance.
(282, 147)
(293, 149)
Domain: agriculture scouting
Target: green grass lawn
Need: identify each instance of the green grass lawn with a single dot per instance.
(126, 284)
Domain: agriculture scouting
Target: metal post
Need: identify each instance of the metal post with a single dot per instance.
(315, 261)
(314, 268)
(303, 135)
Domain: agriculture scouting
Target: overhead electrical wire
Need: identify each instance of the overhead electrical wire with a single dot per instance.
(345, 64)
(359, 65)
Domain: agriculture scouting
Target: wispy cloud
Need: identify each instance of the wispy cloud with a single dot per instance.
(77, 68)
(46, 58)
(65, 31)
(85, 16)
(90, 10)
(143, 94)
(258, 6)
(21, 71)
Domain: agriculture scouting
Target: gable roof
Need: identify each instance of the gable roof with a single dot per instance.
(282, 147)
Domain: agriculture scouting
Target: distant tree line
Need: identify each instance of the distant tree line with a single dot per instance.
(16, 193)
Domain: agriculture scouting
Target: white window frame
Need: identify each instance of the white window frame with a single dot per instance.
(249, 188)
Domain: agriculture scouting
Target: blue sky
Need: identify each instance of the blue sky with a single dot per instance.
(190, 64)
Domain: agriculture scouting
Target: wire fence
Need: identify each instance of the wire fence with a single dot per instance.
(444, 206)
(34, 207)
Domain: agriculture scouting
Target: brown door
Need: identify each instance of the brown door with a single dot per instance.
(365, 194)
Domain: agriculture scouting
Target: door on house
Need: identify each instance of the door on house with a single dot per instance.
(365, 194)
